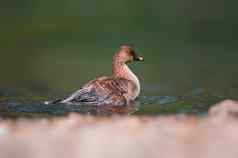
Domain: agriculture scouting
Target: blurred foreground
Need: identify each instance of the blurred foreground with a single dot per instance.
(136, 137)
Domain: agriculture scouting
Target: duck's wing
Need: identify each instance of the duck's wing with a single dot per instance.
(101, 90)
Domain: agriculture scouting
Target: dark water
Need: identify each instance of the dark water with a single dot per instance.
(195, 102)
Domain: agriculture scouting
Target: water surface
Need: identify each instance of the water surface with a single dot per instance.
(196, 102)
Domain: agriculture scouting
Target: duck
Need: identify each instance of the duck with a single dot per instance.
(121, 88)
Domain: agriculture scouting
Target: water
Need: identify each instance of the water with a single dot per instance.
(196, 102)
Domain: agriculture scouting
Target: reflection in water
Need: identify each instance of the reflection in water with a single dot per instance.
(21, 107)
(144, 105)
(16, 108)
(108, 110)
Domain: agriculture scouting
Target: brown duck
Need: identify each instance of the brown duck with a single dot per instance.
(119, 89)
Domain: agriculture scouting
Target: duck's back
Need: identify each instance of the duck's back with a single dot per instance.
(103, 90)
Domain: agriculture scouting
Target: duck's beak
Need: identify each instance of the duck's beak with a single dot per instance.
(139, 58)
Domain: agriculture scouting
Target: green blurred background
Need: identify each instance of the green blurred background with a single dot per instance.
(52, 47)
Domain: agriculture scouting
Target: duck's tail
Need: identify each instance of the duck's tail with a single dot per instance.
(53, 101)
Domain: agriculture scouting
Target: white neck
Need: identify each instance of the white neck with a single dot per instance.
(131, 76)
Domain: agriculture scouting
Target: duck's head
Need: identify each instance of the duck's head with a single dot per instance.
(126, 54)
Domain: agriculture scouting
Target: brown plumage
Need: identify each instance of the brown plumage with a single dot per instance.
(119, 89)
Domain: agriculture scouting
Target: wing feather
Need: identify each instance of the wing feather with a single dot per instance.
(99, 90)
